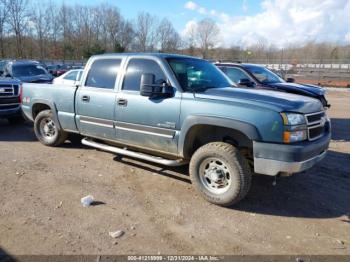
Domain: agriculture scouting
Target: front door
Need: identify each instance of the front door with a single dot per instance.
(96, 99)
(149, 123)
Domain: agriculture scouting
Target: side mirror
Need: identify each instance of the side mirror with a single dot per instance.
(149, 88)
(245, 82)
(290, 80)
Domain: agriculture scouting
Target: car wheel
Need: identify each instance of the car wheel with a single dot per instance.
(220, 173)
(47, 131)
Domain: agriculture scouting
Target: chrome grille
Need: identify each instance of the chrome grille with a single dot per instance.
(8, 90)
(9, 97)
(316, 125)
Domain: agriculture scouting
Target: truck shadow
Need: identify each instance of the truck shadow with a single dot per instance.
(322, 192)
(16, 133)
(178, 173)
(340, 129)
(6, 257)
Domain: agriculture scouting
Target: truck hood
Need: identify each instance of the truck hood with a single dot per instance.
(36, 79)
(309, 90)
(271, 100)
(9, 81)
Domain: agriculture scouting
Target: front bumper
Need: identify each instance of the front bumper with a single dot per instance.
(13, 112)
(272, 159)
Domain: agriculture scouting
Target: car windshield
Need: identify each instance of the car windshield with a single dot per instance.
(197, 75)
(28, 70)
(2, 65)
(264, 75)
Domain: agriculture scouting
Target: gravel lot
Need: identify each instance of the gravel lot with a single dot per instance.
(41, 213)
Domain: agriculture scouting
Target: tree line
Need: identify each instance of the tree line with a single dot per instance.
(46, 30)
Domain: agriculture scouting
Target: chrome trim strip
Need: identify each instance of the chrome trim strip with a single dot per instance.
(137, 128)
(316, 113)
(96, 121)
(12, 104)
(148, 130)
(144, 132)
(14, 96)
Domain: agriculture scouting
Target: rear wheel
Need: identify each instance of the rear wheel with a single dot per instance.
(220, 173)
(47, 131)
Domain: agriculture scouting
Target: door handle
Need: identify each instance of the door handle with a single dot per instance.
(85, 98)
(122, 102)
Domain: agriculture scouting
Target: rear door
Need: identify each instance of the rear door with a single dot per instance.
(96, 98)
(149, 123)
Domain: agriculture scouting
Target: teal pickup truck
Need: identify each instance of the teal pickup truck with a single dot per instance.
(174, 110)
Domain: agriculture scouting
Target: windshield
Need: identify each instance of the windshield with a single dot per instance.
(264, 75)
(197, 75)
(2, 65)
(28, 70)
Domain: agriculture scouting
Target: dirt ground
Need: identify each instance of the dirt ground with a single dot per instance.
(41, 213)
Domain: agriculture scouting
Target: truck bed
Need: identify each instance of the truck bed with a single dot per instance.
(60, 98)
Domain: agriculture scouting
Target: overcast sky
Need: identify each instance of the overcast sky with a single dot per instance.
(244, 22)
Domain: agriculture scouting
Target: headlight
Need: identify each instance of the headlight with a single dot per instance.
(295, 127)
(292, 119)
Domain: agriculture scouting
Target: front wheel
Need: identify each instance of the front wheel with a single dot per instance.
(220, 173)
(47, 131)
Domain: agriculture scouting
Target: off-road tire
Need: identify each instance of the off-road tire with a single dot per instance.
(239, 170)
(57, 139)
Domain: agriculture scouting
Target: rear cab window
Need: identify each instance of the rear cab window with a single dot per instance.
(103, 73)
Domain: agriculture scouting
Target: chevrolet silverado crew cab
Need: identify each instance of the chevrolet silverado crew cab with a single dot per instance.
(10, 103)
(173, 110)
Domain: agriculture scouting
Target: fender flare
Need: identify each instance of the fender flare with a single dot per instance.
(52, 107)
(246, 128)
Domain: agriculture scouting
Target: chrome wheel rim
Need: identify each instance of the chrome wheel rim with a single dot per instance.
(48, 128)
(215, 175)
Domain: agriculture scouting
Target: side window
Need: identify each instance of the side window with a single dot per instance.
(236, 74)
(71, 76)
(136, 68)
(103, 73)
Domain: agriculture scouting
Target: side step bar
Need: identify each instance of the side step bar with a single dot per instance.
(117, 150)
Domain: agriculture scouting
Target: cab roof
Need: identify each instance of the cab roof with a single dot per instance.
(160, 55)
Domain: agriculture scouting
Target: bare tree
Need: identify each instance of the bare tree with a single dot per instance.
(207, 33)
(65, 19)
(126, 35)
(145, 32)
(169, 39)
(18, 19)
(40, 21)
(3, 20)
(114, 24)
